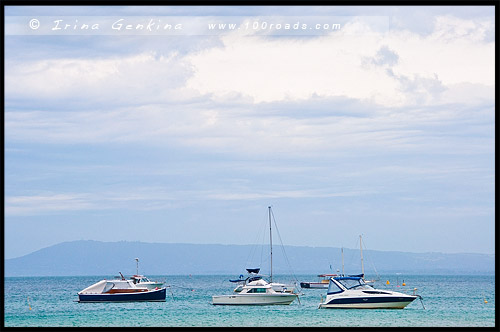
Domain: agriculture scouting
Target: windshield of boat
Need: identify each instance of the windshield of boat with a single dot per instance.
(356, 283)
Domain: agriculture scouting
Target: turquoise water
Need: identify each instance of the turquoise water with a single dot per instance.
(449, 301)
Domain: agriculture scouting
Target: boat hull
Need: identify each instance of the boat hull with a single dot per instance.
(241, 299)
(393, 302)
(148, 296)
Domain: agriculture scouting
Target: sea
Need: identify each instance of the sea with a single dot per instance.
(447, 301)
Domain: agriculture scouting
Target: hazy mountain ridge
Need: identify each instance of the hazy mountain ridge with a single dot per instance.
(108, 258)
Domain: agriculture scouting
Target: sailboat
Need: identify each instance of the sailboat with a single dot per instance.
(253, 273)
(280, 287)
(362, 275)
(362, 263)
(254, 290)
(324, 280)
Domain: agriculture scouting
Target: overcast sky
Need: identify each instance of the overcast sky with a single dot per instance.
(383, 128)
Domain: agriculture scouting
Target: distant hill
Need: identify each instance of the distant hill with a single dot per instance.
(79, 258)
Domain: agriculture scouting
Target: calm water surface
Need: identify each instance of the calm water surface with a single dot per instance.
(448, 301)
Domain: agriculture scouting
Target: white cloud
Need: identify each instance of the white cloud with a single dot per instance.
(146, 199)
(351, 63)
(50, 203)
(280, 69)
(45, 203)
(239, 132)
(274, 98)
(447, 52)
(335, 65)
(117, 80)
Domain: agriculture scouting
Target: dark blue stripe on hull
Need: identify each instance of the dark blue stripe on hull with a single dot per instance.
(157, 295)
(372, 299)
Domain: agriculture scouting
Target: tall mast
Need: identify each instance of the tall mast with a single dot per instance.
(137, 265)
(271, 243)
(342, 251)
(361, 252)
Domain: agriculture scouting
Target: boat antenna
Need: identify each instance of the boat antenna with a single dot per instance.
(271, 243)
(137, 265)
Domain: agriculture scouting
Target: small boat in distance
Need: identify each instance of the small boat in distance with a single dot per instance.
(253, 275)
(323, 281)
(120, 290)
(257, 292)
(354, 292)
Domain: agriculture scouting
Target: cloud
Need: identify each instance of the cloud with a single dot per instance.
(282, 69)
(385, 57)
(419, 90)
(335, 65)
(364, 96)
(132, 79)
(352, 63)
(447, 52)
(449, 29)
(334, 127)
(45, 203)
(147, 199)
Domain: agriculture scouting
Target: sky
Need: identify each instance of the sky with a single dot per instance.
(381, 126)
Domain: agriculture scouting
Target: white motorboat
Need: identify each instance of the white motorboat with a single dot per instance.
(253, 275)
(354, 292)
(276, 286)
(253, 272)
(257, 292)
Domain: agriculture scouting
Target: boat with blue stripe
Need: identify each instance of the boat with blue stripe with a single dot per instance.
(354, 292)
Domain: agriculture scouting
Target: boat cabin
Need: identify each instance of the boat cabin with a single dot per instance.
(340, 284)
(139, 278)
(111, 286)
(257, 287)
